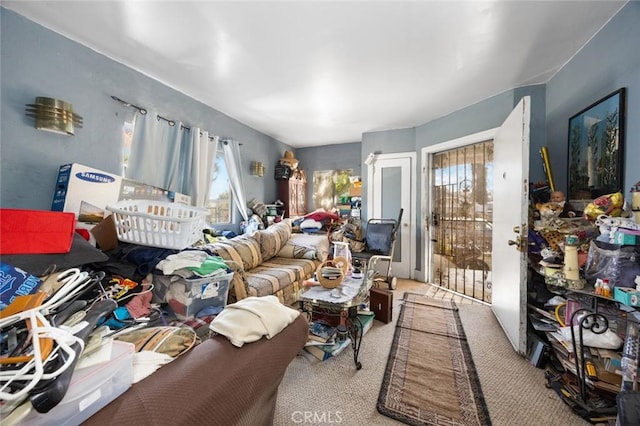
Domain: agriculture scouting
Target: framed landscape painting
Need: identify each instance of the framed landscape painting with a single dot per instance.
(596, 148)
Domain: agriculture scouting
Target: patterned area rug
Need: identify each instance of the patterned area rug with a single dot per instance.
(430, 378)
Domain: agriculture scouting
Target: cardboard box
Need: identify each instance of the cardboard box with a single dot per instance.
(86, 192)
(344, 209)
(626, 237)
(105, 234)
(628, 296)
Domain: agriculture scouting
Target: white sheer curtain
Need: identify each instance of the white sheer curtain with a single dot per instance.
(232, 161)
(172, 157)
(156, 152)
(200, 155)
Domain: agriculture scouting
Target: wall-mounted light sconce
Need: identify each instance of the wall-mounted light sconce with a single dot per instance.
(370, 159)
(257, 168)
(54, 115)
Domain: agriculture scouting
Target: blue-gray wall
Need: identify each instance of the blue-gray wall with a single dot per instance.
(39, 62)
(472, 119)
(610, 61)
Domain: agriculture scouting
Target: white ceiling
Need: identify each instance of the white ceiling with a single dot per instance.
(316, 73)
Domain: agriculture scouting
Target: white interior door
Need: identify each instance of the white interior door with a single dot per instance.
(391, 180)
(510, 214)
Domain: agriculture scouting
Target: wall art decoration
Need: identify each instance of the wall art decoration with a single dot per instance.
(596, 148)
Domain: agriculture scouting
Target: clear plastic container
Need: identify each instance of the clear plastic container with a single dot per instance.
(90, 390)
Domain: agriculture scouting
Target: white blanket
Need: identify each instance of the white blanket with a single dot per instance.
(252, 318)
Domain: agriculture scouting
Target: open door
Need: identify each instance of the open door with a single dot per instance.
(510, 222)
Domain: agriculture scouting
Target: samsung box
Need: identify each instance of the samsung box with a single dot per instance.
(86, 192)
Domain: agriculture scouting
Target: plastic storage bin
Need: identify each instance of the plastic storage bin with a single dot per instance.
(187, 297)
(158, 224)
(91, 389)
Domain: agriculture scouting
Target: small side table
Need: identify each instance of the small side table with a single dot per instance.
(342, 302)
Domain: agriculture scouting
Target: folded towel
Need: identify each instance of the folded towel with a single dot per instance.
(147, 362)
(252, 318)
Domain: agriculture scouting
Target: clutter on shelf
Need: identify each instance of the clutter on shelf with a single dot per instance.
(583, 296)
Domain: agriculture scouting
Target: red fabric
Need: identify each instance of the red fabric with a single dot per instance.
(321, 216)
(140, 304)
(84, 233)
(36, 232)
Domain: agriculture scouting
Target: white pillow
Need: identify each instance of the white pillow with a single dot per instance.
(318, 242)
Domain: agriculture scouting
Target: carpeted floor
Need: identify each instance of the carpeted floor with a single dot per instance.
(335, 392)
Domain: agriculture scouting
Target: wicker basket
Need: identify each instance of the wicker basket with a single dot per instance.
(332, 282)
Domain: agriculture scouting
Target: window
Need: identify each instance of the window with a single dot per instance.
(331, 188)
(219, 203)
(127, 135)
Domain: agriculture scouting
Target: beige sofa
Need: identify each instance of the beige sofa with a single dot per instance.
(272, 261)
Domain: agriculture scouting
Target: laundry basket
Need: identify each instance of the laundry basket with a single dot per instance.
(158, 224)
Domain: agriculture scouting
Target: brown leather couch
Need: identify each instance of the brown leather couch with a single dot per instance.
(215, 383)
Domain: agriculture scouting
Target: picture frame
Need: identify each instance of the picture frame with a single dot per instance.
(596, 148)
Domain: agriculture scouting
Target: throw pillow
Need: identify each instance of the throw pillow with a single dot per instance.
(273, 238)
(243, 249)
(292, 251)
(319, 243)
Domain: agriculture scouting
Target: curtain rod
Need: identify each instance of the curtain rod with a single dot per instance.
(143, 111)
(125, 103)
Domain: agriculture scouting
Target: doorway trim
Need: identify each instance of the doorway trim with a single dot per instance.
(427, 188)
(410, 218)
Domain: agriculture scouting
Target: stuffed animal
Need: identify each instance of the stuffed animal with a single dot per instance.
(549, 211)
(549, 214)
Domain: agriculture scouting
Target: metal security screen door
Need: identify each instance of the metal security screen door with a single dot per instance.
(461, 219)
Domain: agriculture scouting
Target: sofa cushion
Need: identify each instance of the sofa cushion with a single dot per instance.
(243, 249)
(278, 273)
(273, 239)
